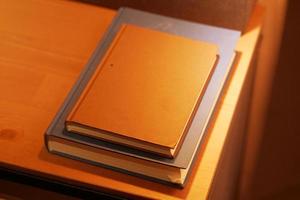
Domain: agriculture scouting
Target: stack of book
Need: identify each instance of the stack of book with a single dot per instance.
(143, 102)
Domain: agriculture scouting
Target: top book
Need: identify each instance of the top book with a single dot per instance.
(145, 91)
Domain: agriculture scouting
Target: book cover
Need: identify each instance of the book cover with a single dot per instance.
(145, 91)
(225, 39)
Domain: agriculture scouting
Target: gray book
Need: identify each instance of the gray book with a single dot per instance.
(95, 151)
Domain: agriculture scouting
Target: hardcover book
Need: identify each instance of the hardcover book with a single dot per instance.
(111, 155)
(145, 91)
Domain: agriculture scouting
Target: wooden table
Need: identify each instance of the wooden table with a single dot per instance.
(43, 47)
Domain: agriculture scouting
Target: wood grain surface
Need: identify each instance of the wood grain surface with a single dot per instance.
(43, 47)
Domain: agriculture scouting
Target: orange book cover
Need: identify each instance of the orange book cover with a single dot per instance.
(145, 91)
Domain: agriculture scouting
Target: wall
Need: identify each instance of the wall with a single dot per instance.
(226, 13)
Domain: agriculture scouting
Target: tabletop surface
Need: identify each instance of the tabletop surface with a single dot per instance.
(43, 47)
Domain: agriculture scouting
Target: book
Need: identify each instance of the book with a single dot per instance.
(225, 39)
(145, 91)
(131, 165)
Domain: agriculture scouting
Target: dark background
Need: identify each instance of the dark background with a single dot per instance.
(277, 174)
